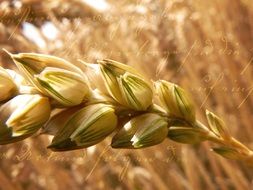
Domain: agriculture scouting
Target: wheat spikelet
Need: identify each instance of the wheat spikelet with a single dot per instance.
(139, 112)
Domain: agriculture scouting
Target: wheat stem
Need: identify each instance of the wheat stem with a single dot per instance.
(231, 142)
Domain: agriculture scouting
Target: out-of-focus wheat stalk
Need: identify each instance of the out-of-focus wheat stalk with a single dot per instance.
(144, 112)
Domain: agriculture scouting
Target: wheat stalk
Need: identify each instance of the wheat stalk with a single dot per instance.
(81, 108)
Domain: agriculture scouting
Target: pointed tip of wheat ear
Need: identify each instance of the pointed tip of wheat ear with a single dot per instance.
(84, 62)
(101, 62)
(81, 61)
(9, 53)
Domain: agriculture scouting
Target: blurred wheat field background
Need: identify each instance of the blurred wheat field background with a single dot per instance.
(204, 46)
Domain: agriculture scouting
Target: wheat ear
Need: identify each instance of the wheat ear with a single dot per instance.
(81, 108)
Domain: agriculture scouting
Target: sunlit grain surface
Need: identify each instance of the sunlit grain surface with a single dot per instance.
(205, 46)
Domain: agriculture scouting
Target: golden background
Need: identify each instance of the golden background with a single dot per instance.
(204, 46)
